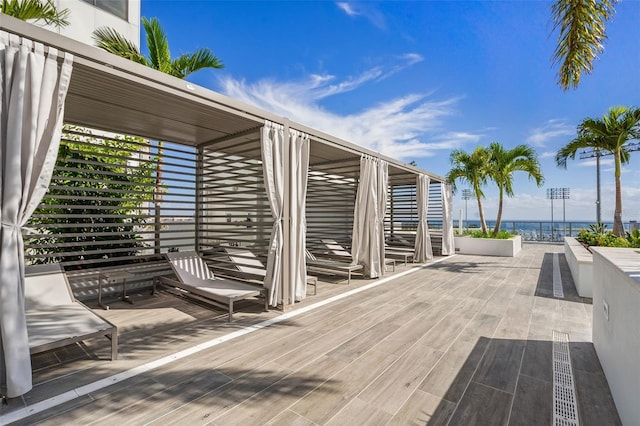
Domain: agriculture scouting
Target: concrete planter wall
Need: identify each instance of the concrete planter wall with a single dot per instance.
(488, 246)
(580, 262)
(616, 336)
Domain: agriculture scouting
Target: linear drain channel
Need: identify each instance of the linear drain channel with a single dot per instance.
(565, 409)
(557, 278)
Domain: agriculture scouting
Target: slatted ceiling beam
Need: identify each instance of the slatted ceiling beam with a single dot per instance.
(334, 164)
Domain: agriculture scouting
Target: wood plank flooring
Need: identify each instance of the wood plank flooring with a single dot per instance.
(464, 341)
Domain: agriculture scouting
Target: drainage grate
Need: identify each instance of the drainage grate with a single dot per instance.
(565, 411)
(557, 278)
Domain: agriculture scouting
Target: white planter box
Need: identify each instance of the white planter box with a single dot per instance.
(616, 331)
(580, 262)
(488, 246)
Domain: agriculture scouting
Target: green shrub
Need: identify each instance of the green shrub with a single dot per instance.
(502, 235)
(597, 235)
(634, 238)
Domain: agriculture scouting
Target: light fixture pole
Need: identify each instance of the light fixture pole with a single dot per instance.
(558, 194)
(466, 195)
(595, 152)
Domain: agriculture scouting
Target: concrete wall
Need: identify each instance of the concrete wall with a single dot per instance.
(84, 18)
(488, 246)
(580, 262)
(616, 325)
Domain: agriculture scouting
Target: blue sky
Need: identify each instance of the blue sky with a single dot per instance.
(416, 79)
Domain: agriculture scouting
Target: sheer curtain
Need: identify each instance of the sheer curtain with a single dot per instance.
(272, 141)
(423, 250)
(383, 188)
(34, 87)
(299, 176)
(447, 220)
(366, 237)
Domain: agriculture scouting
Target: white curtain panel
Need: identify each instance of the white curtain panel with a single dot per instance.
(447, 220)
(365, 248)
(34, 87)
(423, 250)
(299, 176)
(272, 140)
(383, 192)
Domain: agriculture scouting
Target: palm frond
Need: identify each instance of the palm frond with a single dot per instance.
(186, 64)
(504, 162)
(159, 54)
(113, 42)
(581, 26)
(36, 10)
(471, 168)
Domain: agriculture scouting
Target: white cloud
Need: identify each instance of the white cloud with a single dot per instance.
(412, 58)
(549, 131)
(364, 9)
(548, 154)
(406, 127)
(346, 8)
(591, 162)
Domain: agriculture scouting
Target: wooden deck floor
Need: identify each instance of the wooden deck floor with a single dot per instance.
(461, 342)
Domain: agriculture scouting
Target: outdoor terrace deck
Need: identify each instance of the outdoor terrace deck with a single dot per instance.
(464, 341)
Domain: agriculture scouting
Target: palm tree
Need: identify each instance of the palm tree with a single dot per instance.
(160, 59)
(504, 163)
(474, 169)
(35, 10)
(582, 31)
(609, 135)
(159, 55)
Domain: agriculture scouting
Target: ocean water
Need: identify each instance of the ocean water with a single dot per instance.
(531, 230)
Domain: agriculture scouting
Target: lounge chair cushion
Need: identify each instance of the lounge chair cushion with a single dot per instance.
(55, 323)
(54, 317)
(194, 276)
(336, 248)
(246, 261)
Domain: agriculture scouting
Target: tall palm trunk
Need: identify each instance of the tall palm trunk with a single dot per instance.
(618, 227)
(496, 229)
(483, 224)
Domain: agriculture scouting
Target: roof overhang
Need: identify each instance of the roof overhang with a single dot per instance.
(117, 95)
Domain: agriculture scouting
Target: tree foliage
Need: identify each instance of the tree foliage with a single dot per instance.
(496, 164)
(504, 163)
(473, 169)
(610, 134)
(159, 57)
(36, 11)
(95, 201)
(581, 26)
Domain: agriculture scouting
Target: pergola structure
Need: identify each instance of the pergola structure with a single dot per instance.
(282, 177)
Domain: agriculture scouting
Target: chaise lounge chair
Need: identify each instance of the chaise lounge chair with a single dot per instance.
(197, 280)
(332, 267)
(337, 251)
(401, 253)
(54, 318)
(244, 264)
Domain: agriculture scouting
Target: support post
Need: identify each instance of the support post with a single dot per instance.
(287, 297)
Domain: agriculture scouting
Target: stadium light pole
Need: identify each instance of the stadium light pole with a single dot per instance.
(466, 195)
(595, 152)
(558, 194)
